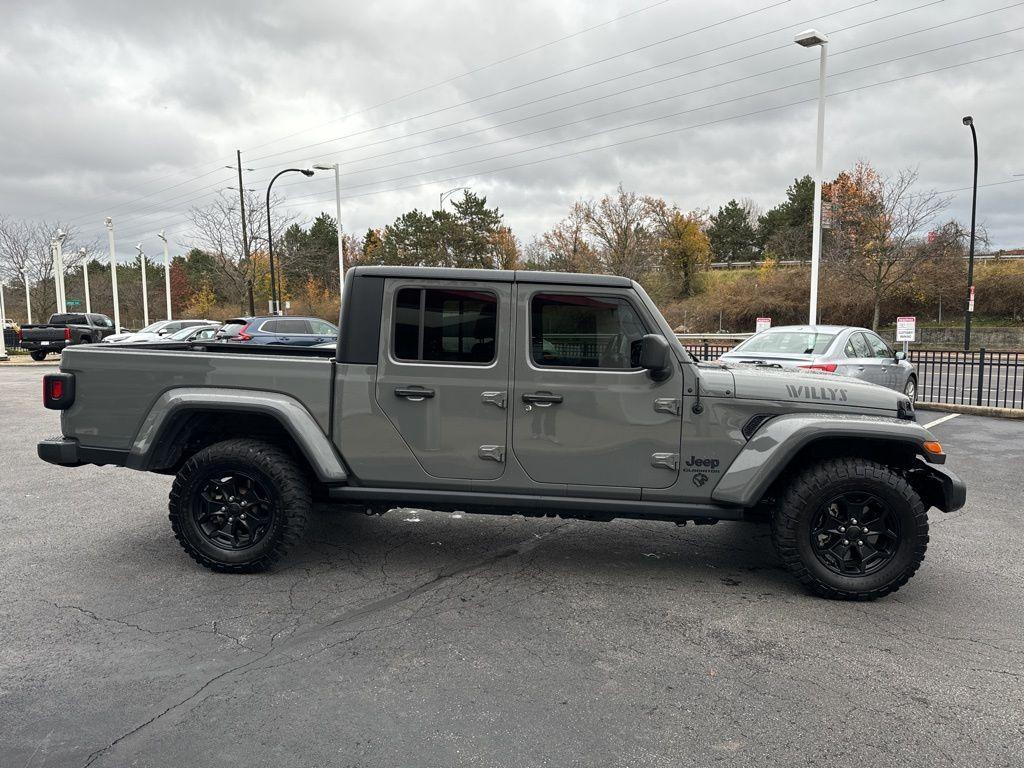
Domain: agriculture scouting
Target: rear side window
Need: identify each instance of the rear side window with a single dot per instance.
(580, 331)
(445, 326)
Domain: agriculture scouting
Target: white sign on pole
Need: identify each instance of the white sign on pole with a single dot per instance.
(763, 324)
(970, 301)
(906, 328)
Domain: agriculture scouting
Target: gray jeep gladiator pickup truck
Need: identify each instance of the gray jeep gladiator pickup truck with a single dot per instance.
(508, 392)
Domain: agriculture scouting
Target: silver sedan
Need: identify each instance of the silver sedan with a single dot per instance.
(839, 349)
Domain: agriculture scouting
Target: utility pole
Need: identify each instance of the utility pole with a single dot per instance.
(145, 292)
(3, 317)
(109, 222)
(245, 233)
(58, 270)
(85, 277)
(167, 274)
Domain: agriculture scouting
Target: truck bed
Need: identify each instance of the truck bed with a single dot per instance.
(119, 383)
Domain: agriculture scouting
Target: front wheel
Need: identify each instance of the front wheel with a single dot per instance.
(238, 506)
(851, 529)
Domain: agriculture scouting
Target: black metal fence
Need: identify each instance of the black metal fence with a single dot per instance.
(11, 340)
(954, 377)
(994, 379)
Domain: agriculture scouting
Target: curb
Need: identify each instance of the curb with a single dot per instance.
(972, 410)
(19, 361)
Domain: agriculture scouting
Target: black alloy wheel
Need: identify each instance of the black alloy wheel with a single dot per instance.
(855, 534)
(233, 511)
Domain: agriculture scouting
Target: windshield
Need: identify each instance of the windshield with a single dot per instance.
(153, 327)
(231, 328)
(184, 333)
(787, 343)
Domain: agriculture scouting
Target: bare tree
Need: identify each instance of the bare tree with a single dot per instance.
(217, 230)
(566, 247)
(621, 225)
(878, 229)
(26, 254)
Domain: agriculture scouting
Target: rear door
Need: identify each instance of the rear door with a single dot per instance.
(584, 412)
(885, 359)
(443, 373)
(323, 331)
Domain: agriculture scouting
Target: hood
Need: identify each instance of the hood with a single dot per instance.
(810, 387)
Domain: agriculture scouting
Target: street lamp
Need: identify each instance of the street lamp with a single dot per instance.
(445, 195)
(145, 292)
(3, 325)
(167, 274)
(58, 270)
(810, 39)
(969, 122)
(275, 304)
(84, 254)
(337, 201)
(109, 222)
(28, 297)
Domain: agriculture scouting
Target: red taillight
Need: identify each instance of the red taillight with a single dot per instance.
(242, 335)
(67, 334)
(829, 367)
(58, 390)
(21, 335)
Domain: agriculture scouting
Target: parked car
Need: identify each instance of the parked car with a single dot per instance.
(498, 391)
(191, 333)
(277, 329)
(156, 331)
(843, 350)
(64, 329)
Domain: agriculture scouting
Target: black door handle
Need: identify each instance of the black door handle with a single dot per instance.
(542, 398)
(414, 393)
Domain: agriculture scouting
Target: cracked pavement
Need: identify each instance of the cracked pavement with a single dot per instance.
(441, 640)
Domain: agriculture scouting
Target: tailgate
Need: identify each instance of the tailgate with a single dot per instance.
(44, 333)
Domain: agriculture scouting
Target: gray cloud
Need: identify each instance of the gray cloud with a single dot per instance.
(105, 103)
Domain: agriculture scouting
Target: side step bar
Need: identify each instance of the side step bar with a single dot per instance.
(532, 506)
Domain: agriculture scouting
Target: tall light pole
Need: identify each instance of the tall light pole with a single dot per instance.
(28, 297)
(809, 39)
(445, 195)
(58, 270)
(84, 254)
(337, 202)
(167, 274)
(245, 230)
(969, 308)
(275, 303)
(109, 222)
(145, 292)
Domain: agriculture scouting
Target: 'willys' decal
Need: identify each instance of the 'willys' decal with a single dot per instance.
(803, 391)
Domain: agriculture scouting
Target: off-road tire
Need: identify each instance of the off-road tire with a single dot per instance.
(809, 491)
(277, 471)
(38, 355)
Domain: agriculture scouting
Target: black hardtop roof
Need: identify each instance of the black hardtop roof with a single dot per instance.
(493, 275)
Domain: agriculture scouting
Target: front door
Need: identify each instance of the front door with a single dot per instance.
(442, 373)
(584, 412)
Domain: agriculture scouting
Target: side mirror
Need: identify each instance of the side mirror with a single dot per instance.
(655, 356)
(900, 355)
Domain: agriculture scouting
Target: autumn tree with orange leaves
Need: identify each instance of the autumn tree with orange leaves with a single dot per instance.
(878, 229)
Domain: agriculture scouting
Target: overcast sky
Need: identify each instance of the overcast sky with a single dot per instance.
(132, 109)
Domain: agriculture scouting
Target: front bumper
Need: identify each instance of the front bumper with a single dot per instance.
(939, 487)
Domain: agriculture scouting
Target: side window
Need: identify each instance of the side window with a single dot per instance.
(437, 325)
(323, 328)
(860, 347)
(580, 331)
(292, 326)
(878, 347)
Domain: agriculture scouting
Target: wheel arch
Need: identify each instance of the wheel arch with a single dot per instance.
(786, 444)
(184, 421)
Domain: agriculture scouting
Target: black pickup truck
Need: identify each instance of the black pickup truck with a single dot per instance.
(63, 330)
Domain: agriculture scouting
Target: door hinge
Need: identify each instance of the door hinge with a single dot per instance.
(493, 398)
(665, 461)
(667, 405)
(492, 453)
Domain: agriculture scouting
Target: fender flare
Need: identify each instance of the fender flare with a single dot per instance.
(286, 410)
(774, 445)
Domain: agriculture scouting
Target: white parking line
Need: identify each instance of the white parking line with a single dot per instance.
(944, 419)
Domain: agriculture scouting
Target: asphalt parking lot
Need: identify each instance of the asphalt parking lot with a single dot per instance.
(422, 638)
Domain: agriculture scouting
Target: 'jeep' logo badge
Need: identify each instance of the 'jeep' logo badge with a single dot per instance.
(828, 394)
(697, 461)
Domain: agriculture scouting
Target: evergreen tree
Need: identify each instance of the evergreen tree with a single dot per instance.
(731, 234)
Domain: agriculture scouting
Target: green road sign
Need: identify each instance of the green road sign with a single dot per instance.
(74, 302)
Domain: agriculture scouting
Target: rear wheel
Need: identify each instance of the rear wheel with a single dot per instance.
(851, 529)
(239, 506)
(38, 355)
